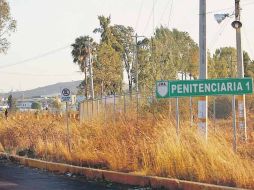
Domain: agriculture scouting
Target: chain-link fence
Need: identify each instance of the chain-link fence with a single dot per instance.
(140, 106)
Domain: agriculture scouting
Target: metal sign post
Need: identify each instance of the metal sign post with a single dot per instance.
(68, 130)
(66, 97)
(177, 116)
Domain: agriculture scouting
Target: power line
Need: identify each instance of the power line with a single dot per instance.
(229, 8)
(35, 57)
(36, 75)
(248, 41)
(150, 16)
(170, 12)
(167, 6)
(218, 34)
(139, 13)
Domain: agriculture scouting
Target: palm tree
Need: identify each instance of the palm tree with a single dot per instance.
(80, 54)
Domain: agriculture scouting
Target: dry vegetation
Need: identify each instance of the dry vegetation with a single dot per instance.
(149, 148)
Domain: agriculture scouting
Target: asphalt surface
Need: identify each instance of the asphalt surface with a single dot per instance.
(16, 177)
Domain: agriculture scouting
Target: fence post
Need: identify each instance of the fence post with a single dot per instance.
(124, 104)
(105, 109)
(87, 108)
(234, 122)
(114, 108)
(177, 116)
(214, 113)
(153, 102)
(98, 101)
(92, 101)
(169, 109)
(68, 129)
(137, 105)
(191, 117)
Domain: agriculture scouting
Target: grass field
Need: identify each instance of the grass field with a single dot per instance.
(149, 147)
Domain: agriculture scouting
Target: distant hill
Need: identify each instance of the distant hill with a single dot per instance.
(46, 90)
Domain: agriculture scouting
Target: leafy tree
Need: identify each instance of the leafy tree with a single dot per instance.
(166, 55)
(108, 70)
(7, 25)
(124, 37)
(144, 60)
(11, 103)
(36, 105)
(211, 66)
(106, 32)
(225, 62)
(248, 68)
(108, 67)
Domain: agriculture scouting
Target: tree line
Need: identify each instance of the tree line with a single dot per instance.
(167, 55)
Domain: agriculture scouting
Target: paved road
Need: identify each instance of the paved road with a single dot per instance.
(15, 177)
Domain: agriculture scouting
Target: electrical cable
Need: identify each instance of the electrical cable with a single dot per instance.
(246, 38)
(139, 13)
(170, 13)
(218, 34)
(229, 8)
(36, 75)
(150, 16)
(35, 57)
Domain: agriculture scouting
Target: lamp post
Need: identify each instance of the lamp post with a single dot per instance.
(240, 71)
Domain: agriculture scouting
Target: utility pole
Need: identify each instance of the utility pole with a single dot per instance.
(136, 58)
(90, 70)
(136, 61)
(240, 71)
(202, 103)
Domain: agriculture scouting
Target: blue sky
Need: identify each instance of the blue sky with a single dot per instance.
(48, 25)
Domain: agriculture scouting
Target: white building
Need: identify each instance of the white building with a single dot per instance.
(24, 105)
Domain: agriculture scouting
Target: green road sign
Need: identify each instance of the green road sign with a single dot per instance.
(209, 87)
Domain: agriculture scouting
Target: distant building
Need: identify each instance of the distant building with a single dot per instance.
(24, 105)
(3, 107)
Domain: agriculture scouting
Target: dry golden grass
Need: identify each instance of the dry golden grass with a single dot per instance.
(149, 147)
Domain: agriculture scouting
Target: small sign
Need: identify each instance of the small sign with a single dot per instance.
(66, 95)
(208, 87)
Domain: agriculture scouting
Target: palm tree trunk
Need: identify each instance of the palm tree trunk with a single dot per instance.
(85, 80)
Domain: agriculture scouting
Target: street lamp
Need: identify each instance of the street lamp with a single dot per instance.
(236, 24)
(220, 17)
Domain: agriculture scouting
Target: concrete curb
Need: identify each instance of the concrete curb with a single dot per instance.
(116, 177)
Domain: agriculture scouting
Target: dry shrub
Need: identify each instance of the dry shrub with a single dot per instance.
(149, 147)
(1, 148)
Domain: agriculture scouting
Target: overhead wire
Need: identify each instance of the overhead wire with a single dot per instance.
(139, 13)
(168, 5)
(149, 18)
(229, 8)
(36, 74)
(170, 13)
(248, 42)
(218, 34)
(35, 57)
